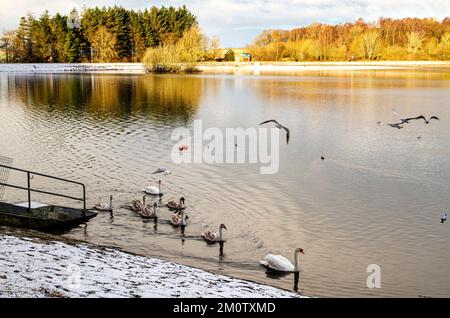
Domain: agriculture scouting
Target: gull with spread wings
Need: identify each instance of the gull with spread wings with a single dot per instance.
(279, 126)
(407, 120)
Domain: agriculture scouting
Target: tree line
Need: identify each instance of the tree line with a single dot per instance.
(112, 34)
(387, 39)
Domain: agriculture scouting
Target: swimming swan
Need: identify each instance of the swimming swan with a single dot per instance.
(105, 206)
(152, 190)
(214, 237)
(280, 263)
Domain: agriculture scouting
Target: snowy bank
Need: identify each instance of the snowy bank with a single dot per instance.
(226, 67)
(120, 68)
(300, 67)
(35, 268)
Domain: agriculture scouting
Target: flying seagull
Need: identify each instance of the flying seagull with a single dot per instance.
(396, 125)
(279, 126)
(407, 120)
(428, 121)
(161, 170)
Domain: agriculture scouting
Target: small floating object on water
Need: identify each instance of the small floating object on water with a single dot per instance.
(444, 218)
(162, 170)
(211, 236)
(322, 157)
(152, 190)
(183, 148)
(280, 263)
(105, 206)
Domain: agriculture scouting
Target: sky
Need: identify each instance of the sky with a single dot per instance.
(238, 22)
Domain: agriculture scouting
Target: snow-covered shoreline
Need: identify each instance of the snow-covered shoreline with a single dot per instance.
(225, 67)
(119, 68)
(35, 268)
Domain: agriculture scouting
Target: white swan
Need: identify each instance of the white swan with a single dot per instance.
(152, 190)
(214, 237)
(105, 206)
(280, 263)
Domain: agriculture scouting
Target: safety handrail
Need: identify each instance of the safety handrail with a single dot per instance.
(29, 189)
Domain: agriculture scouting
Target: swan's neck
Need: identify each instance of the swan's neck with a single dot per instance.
(110, 202)
(296, 261)
(143, 200)
(220, 234)
(182, 218)
(159, 187)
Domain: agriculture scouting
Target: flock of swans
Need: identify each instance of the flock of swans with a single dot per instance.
(179, 218)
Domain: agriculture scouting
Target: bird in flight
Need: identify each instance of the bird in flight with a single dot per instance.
(407, 120)
(396, 125)
(279, 126)
(162, 170)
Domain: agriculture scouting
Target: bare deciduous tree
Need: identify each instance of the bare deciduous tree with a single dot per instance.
(372, 45)
(415, 40)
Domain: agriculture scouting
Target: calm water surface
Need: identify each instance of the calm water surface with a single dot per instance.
(376, 199)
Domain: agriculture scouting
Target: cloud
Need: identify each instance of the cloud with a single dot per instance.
(237, 22)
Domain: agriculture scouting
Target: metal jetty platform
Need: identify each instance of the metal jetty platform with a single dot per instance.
(40, 216)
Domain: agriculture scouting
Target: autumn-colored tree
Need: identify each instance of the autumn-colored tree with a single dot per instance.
(181, 56)
(443, 48)
(415, 41)
(7, 39)
(372, 45)
(103, 45)
(68, 38)
(388, 39)
(229, 55)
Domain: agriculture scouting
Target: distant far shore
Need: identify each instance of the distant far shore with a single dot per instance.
(298, 67)
(227, 67)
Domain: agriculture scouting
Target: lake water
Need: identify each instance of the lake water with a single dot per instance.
(376, 198)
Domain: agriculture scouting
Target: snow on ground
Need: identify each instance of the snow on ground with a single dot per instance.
(32, 268)
(74, 68)
(214, 67)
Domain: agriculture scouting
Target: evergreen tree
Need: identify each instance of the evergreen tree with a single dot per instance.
(69, 38)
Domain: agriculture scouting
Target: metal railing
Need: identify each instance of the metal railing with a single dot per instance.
(29, 189)
(4, 173)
